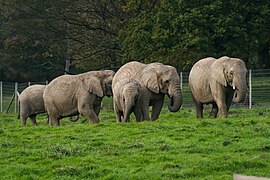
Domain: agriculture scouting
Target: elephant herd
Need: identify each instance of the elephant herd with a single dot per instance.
(135, 87)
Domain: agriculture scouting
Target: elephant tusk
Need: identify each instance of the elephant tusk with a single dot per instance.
(233, 87)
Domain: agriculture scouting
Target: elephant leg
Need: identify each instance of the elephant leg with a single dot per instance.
(219, 95)
(97, 109)
(117, 113)
(118, 116)
(138, 114)
(199, 108)
(88, 111)
(127, 119)
(157, 106)
(214, 110)
(143, 107)
(223, 109)
(33, 119)
(138, 117)
(24, 120)
(145, 114)
(54, 121)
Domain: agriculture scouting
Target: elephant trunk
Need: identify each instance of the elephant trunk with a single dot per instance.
(240, 86)
(239, 96)
(127, 111)
(75, 119)
(176, 99)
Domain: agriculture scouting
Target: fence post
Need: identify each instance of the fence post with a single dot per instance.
(181, 80)
(29, 83)
(46, 82)
(16, 97)
(1, 96)
(250, 90)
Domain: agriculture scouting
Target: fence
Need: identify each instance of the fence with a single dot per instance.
(258, 90)
(258, 96)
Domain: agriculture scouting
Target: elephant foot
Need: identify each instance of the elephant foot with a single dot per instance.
(34, 123)
(224, 115)
(213, 114)
(199, 114)
(54, 122)
(94, 121)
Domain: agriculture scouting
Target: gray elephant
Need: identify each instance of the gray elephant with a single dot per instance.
(126, 94)
(31, 103)
(70, 95)
(217, 81)
(158, 79)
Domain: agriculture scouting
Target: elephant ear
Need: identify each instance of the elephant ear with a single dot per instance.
(150, 80)
(218, 71)
(93, 85)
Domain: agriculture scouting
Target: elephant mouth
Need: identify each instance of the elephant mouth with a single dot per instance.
(230, 83)
(235, 95)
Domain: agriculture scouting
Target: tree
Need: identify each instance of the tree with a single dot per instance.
(37, 37)
(46, 33)
(181, 32)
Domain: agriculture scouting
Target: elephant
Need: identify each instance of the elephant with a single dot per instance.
(126, 94)
(31, 103)
(70, 95)
(217, 82)
(158, 80)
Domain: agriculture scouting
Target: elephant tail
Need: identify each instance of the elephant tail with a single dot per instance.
(18, 94)
(74, 120)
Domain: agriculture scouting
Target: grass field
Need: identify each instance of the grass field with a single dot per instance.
(176, 146)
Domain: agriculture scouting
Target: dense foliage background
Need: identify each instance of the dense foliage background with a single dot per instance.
(38, 39)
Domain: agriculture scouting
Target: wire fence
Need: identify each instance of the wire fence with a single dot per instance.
(258, 96)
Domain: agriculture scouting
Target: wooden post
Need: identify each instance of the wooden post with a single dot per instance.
(250, 90)
(1, 96)
(16, 97)
(181, 80)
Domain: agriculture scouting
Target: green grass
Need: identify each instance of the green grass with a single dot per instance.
(176, 146)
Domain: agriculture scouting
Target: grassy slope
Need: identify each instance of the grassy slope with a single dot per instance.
(176, 146)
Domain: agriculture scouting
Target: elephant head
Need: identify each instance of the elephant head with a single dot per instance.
(160, 78)
(100, 83)
(231, 72)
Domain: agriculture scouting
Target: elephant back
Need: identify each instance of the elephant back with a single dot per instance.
(128, 70)
(32, 96)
